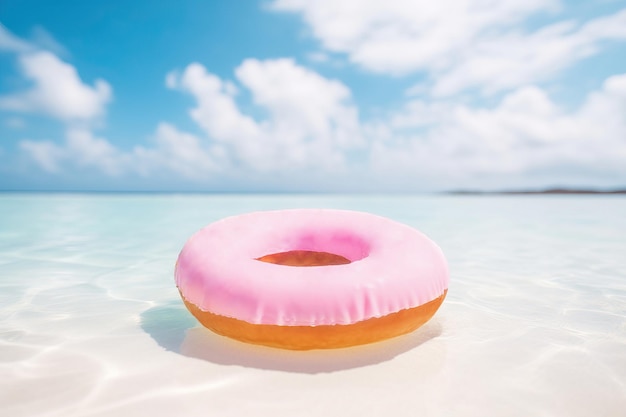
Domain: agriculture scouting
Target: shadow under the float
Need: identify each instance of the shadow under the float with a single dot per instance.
(176, 330)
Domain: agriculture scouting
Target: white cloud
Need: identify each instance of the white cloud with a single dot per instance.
(58, 90)
(303, 124)
(318, 57)
(216, 111)
(173, 152)
(41, 39)
(46, 154)
(515, 59)
(301, 101)
(310, 118)
(460, 44)
(403, 35)
(81, 148)
(310, 124)
(178, 152)
(44, 40)
(87, 150)
(11, 43)
(525, 138)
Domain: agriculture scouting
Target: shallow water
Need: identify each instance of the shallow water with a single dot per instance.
(91, 323)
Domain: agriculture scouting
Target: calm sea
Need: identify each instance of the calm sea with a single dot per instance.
(91, 323)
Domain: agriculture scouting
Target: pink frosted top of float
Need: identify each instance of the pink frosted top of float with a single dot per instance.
(393, 267)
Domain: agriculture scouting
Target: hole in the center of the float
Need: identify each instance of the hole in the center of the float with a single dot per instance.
(316, 248)
(304, 258)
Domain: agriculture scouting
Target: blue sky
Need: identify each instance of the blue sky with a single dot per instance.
(290, 95)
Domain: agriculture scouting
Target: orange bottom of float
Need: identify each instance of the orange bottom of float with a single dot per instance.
(319, 337)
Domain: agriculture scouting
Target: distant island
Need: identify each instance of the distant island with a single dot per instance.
(540, 192)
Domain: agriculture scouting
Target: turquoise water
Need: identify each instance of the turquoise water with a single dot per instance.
(91, 323)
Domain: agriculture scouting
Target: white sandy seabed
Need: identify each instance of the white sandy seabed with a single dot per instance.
(91, 323)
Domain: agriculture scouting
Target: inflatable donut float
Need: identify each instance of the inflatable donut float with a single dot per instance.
(311, 278)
